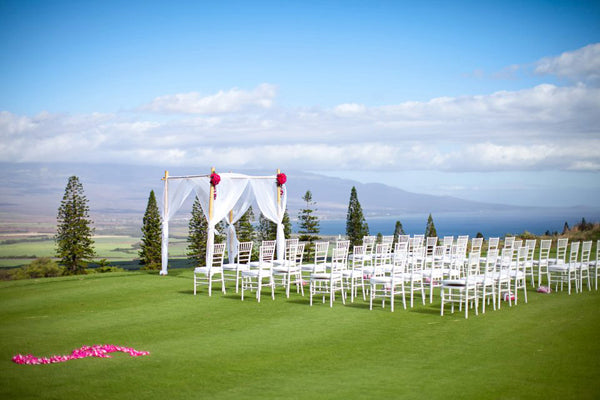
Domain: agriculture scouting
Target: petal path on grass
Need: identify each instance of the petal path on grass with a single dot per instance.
(85, 351)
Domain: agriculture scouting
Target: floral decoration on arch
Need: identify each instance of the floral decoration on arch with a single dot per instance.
(281, 180)
(215, 179)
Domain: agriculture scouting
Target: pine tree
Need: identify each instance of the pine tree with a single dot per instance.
(566, 228)
(379, 238)
(430, 228)
(309, 224)
(398, 230)
(198, 234)
(287, 224)
(74, 243)
(356, 226)
(244, 228)
(267, 229)
(150, 253)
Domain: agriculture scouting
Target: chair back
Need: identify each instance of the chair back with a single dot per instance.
(343, 244)
(419, 239)
(476, 245)
(291, 254)
(574, 253)
(509, 241)
(430, 244)
(218, 254)
(545, 246)
(417, 260)
(493, 243)
(369, 244)
(472, 268)
(530, 244)
(491, 261)
(244, 252)
(300, 253)
(358, 257)
(387, 239)
(522, 254)
(506, 258)
(266, 254)
(400, 251)
(338, 260)
(586, 250)
(403, 238)
(321, 250)
(561, 250)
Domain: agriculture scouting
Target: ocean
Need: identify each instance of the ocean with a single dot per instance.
(489, 224)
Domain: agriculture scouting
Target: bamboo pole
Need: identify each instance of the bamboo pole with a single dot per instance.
(211, 198)
(166, 179)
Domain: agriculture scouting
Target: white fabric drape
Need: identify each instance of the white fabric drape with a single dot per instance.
(234, 192)
(240, 208)
(265, 193)
(177, 190)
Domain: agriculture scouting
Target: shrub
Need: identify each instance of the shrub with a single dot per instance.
(43, 267)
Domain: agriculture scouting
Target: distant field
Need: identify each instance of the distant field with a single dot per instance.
(113, 248)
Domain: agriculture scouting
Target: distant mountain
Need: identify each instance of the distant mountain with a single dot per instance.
(120, 193)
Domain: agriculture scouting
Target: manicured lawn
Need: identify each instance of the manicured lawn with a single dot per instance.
(221, 347)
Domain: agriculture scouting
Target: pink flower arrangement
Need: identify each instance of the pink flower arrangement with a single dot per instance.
(83, 352)
(214, 180)
(281, 179)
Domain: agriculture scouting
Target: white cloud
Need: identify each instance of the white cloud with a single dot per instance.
(222, 102)
(541, 128)
(580, 65)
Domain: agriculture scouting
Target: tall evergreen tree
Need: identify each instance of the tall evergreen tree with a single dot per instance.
(430, 227)
(197, 234)
(309, 224)
(267, 230)
(287, 224)
(356, 226)
(566, 228)
(398, 230)
(244, 228)
(74, 243)
(150, 252)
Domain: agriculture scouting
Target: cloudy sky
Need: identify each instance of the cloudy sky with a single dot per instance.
(493, 101)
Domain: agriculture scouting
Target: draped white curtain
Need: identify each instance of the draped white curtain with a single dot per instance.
(236, 193)
(240, 208)
(265, 192)
(176, 191)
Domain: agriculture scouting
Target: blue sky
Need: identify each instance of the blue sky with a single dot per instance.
(493, 101)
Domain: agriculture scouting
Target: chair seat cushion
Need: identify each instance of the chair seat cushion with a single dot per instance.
(381, 280)
(458, 283)
(352, 273)
(206, 270)
(253, 273)
(325, 276)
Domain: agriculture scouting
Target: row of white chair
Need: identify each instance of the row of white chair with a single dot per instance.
(413, 266)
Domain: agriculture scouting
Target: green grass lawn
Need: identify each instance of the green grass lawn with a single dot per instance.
(221, 347)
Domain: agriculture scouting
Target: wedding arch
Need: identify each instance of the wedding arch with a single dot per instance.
(225, 196)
